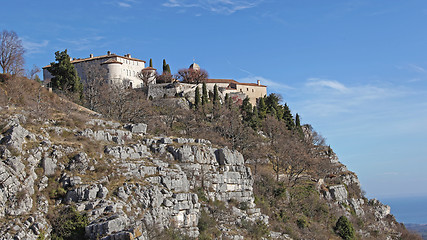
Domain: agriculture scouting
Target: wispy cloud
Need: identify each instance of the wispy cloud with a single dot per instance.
(34, 47)
(217, 6)
(272, 85)
(325, 98)
(412, 68)
(82, 43)
(123, 4)
(318, 82)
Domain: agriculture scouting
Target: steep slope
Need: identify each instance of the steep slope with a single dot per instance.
(66, 173)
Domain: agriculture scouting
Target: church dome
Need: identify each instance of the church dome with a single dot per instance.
(195, 66)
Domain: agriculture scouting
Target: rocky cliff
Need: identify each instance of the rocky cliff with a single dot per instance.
(131, 185)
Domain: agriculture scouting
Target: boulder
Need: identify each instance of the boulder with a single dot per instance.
(137, 128)
(15, 136)
(49, 166)
(338, 192)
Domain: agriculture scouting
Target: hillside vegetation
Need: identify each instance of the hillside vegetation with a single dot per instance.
(215, 171)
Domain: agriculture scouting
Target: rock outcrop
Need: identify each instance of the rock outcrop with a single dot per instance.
(137, 185)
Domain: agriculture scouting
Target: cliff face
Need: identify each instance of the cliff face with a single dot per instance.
(137, 184)
(134, 186)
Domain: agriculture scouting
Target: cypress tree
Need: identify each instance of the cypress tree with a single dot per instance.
(288, 118)
(298, 125)
(151, 62)
(297, 121)
(168, 69)
(255, 122)
(164, 66)
(197, 98)
(246, 109)
(227, 100)
(204, 94)
(215, 95)
(262, 108)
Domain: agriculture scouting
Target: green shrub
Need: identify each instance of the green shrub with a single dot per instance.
(344, 228)
(207, 226)
(244, 206)
(256, 230)
(57, 193)
(302, 223)
(68, 224)
(201, 194)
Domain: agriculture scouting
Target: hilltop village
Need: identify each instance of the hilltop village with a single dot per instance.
(132, 72)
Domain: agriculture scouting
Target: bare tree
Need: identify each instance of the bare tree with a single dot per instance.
(95, 79)
(31, 74)
(11, 53)
(165, 77)
(147, 76)
(192, 75)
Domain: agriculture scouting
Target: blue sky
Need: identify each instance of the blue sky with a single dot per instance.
(355, 70)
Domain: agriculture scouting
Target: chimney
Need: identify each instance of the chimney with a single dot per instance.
(258, 82)
(108, 53)
(128, 55)
(91, 55)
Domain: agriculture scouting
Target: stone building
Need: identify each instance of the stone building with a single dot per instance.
(118, 69)
(232, 87)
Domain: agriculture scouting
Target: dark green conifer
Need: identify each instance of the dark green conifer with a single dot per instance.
(262, 108)
(288, 118)
(165, 69)
(151, 63)
(205, 97)
(197, 98)
(65, 77)
(246, 109)
(215, 95)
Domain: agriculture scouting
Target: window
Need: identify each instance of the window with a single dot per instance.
(252, 90)
(247, 89)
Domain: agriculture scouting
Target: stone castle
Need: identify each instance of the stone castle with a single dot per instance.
(125, 70)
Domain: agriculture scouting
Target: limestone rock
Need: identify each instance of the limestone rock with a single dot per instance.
(49, 166)
(137, 128)
(15, 136)
(338, 192)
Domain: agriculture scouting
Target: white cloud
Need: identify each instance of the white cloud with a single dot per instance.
(217, 6)
(318, 82)
(82, 43)
(34, 47)
(272, 85)
(123, 4)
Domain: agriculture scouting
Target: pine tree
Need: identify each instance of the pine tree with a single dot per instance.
(197, 98)
(215, 95)
(262, 108)
(151, 62)
(205, 97)
(65, 77)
